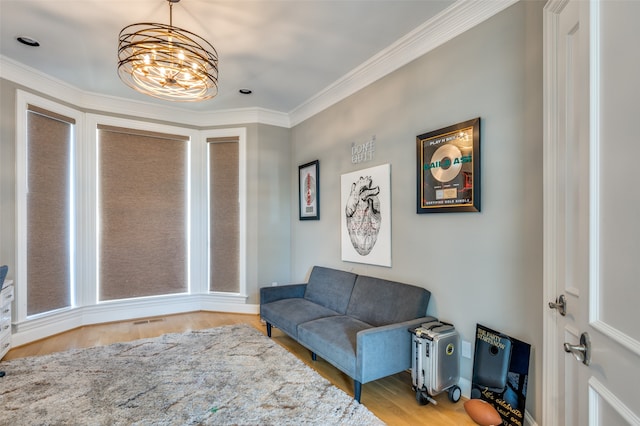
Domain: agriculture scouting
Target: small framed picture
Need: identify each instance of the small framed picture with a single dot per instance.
(448, 169)
(309, 190)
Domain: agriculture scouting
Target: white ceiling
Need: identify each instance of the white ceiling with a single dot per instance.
(286, 51)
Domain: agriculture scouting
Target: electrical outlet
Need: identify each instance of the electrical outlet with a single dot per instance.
(274, 284)
(466, 349)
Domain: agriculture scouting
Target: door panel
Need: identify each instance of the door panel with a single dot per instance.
(619, 91)
(613, 315)
(592, 211)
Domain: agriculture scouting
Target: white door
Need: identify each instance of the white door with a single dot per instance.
(592, 212)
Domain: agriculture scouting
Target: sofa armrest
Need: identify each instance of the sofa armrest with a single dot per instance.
(385, 350)
(271, 294)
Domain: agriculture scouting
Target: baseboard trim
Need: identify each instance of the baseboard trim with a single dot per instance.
(217, 303)
(53, 323)
(465, 387)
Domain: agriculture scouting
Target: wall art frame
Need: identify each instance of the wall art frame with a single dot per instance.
(366, 215)
(309, 191)
(448, 169)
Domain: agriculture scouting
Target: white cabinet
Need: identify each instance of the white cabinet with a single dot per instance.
(6, 297)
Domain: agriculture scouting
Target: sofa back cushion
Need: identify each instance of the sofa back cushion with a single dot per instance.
(380, 302)
(330, 288)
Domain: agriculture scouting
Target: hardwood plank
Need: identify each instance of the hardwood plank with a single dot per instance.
(390, 398)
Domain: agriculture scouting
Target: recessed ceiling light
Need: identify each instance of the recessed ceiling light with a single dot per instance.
(28, 41)
(245, 91)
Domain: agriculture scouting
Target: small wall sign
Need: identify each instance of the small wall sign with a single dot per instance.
(363, 152)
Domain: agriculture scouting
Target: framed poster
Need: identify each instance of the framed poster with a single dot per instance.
(309, 190)
(366, 215)
(448, 169)
(501, 373)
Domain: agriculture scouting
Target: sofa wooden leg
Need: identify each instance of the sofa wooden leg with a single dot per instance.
(314, 357)
(268, 329)
(357, 390)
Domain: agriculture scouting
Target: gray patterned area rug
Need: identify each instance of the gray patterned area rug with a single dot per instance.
(231, 375)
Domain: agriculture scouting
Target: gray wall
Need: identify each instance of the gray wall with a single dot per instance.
(269, 207)
(7, 175)
(481, 267)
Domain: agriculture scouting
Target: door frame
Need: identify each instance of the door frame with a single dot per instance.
(550, 396)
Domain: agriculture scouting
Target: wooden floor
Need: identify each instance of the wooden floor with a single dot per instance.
(391, 398)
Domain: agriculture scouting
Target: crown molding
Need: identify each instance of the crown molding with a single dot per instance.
(34, 80)
(453, 21)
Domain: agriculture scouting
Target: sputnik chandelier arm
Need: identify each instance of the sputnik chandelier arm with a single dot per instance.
(167, 62)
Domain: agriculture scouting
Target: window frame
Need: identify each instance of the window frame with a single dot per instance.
(85, 307)
(241, 135)
(23, 100)
(93, 121)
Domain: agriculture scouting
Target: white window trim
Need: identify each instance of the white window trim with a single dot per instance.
(23, 100)
(93, 120)
(241, 134)
(85, 308)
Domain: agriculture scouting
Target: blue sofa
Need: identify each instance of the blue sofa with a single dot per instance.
(357, 323)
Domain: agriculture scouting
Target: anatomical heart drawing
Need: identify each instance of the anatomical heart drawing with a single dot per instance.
(366, 215)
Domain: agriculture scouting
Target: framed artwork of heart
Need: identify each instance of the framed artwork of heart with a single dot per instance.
(366, 215)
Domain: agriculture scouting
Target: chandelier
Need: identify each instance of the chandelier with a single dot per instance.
(167, 62)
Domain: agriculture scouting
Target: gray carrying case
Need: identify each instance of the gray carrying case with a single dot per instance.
(435, 361)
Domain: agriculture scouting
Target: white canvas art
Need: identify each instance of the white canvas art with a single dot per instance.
(366, 215)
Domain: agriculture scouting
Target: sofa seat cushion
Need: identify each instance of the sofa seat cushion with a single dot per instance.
(330, 288)
(333, 339)
(286, 314)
